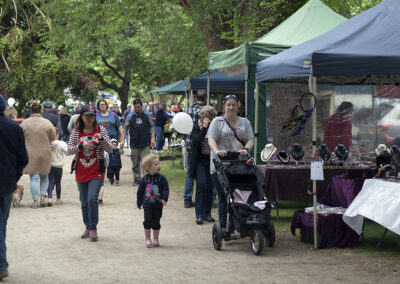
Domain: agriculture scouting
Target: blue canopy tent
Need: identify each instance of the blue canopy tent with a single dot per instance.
(363, 50)
(366, 45)
(218, 81)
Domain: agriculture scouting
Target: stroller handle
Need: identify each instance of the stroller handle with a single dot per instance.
(231, 156)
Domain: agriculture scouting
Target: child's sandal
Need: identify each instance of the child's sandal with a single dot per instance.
(149, 244)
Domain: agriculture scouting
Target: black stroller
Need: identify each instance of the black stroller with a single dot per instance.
(243, 188)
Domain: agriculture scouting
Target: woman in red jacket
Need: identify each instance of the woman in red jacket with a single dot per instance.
(338, 127)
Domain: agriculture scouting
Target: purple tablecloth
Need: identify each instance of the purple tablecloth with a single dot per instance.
(332, 231)
(342, 191)
(290, 184)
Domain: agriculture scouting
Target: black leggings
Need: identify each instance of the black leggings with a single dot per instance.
(152, 217)
(55, 179)
(111, 171)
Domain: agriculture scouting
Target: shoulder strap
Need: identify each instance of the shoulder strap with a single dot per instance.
(234, 132)
(130, 115)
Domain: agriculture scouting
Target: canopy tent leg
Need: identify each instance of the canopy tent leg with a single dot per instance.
(191, 99)
(246, 85)
(208, 87)
(256, 118)
(314, 146)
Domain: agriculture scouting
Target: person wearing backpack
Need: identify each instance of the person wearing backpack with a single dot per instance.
(140, 127)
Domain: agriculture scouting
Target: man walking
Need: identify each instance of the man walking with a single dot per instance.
(52, 117)
(13, 160)
(161, 120)
(194, 111)
(140, 127)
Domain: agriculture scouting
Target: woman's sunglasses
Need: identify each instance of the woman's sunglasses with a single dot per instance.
(231, 96)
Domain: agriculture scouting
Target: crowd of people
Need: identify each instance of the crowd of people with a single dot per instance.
(96, 136)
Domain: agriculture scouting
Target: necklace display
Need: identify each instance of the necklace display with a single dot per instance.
(283, 157)
(324, 152)
(297, 152)
(341, 152)
(267, 152)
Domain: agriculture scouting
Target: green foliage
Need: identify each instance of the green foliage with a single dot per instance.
(126, 46)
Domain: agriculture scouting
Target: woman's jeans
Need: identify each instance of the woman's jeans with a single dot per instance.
(88, 195)
(159, 137)
(5, 203)
(222, 206)
(44, 184)
(204, 190)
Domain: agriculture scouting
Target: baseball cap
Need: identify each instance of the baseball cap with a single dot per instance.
(88, 109)
(48, 104)
(113, 140)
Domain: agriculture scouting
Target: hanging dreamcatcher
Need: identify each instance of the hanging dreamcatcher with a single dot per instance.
(299, 115)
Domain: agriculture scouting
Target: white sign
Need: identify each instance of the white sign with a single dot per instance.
(317, 171)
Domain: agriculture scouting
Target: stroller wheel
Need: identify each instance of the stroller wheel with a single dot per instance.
(257, 242)
(270, 236)
(217, 236)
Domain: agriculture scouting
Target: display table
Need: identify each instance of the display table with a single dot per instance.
(379, 201)
(332, 231)
(291, 183)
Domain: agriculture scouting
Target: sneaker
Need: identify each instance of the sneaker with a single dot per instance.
(85, 234)
(136, 182)
(188, 203)
(49, 202)
(117, 183)
(42, 202)
(59, 201)
(100, 201)
(93, 235)
(3, 273)
(35, 206)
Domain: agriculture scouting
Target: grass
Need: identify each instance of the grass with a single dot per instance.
(176, 177)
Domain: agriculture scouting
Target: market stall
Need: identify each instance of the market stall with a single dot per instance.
(363, 50)
(311, 20)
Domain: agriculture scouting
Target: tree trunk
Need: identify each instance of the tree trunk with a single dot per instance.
(123, 95)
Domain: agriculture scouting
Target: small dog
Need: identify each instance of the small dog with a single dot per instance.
(17, 196)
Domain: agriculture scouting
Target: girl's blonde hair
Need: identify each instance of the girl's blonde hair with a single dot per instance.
(148, 162)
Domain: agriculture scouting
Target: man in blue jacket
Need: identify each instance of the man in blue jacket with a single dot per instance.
(140, 127)
(13, 160)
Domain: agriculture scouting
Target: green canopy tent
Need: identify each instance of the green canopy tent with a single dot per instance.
(311, 20)
(178, 87)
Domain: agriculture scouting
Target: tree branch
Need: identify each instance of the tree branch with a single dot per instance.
(16, 13)
(41, 13)
(111, 68)
(104, 82)
(5, 62)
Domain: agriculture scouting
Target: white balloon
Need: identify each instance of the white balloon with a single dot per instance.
(182, 123)
(11, 101)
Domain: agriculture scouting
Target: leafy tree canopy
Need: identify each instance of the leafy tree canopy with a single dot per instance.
(127, 46)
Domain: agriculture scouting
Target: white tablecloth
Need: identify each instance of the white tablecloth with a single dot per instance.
(379, 201)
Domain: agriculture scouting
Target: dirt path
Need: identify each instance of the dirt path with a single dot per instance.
(44, 246)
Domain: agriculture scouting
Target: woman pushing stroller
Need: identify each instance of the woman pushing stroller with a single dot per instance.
(229, 133)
